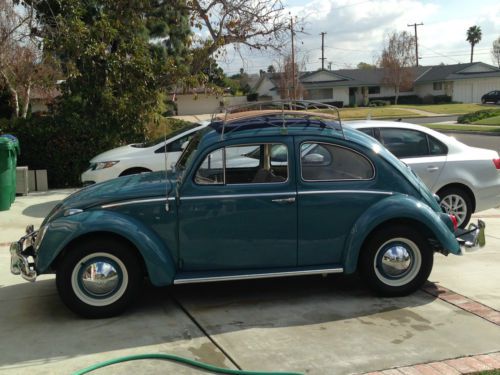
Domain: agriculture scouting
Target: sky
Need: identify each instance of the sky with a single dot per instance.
(356, 30)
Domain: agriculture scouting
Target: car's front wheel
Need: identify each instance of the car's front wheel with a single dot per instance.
(99, 278)
(457, 202)
(396, 261)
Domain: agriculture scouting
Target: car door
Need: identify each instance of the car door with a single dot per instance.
(238, 209)
(423, 153)
(335, 185)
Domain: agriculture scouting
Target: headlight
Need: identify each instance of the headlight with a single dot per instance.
(104, 164)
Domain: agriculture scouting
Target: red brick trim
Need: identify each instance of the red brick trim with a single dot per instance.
(457, 366)
(463, 302)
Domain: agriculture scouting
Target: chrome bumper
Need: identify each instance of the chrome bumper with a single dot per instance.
(22, 256)
(473, 237)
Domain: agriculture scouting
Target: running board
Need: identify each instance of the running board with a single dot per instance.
(210, 279)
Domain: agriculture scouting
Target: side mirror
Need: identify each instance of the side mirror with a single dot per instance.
(313, 159)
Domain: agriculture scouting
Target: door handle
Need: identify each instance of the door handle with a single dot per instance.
(284, 200)
(432, 168)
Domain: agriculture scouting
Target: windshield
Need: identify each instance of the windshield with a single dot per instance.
(190, 151)
(183, 128)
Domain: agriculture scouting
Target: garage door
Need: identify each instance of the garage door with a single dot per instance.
(470, 91)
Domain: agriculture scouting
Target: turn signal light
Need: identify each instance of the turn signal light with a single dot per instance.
(454, 221)
(497, 163)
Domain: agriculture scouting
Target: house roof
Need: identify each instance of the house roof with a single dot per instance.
(375, 77)
(459, 71)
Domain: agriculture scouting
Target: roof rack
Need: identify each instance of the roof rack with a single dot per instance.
(285, 109)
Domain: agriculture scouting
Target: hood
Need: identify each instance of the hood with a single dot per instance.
(118, 153)
(136, 186)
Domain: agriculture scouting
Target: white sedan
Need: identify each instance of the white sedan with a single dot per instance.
(467, 179)
(139, 157)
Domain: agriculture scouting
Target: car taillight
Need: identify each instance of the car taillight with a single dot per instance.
(454, 221)
(497, 163)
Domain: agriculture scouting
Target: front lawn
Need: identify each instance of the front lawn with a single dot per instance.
(489, 121)
(373, 112)
(444, 108)
(472, 128)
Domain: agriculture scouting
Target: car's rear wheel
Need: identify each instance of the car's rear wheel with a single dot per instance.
(99, 278)
(396, 261)
(456, 201)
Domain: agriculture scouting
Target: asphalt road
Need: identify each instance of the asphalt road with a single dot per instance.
(429, 120)
(491, 142)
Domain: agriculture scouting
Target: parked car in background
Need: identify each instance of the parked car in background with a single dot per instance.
(139, 157)
(289, 194)
(491, 97)
(466, 179)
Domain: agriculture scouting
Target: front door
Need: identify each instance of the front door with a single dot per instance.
(238, 210)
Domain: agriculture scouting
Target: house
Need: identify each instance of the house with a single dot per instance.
(462, 82)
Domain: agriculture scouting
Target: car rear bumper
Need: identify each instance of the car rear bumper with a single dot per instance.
(473, 237)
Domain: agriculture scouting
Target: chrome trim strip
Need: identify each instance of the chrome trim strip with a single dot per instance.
(258, 276)
(307, 192)
(229, 196)
(136, 201)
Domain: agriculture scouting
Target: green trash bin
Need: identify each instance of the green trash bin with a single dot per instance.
(6, 165)
(17, 152)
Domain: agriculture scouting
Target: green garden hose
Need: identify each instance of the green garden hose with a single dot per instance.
(174, 358)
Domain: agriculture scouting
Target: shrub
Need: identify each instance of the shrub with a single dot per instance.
(379, 103)
(478, 115)
(253, 97)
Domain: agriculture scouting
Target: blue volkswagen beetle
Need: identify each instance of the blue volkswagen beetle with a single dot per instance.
(261, 194)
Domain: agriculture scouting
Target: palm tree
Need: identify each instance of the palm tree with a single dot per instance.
(474, 35)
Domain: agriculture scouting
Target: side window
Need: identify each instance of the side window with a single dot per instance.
(327, 162)
(211, 171)
(404, 143)
(368, 131)
(245, 164)
(437, 147)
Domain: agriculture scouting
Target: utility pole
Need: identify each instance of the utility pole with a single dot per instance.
(322, 50)
(416, 38)
(293, 60)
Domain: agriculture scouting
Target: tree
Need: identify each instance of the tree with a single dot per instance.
(258, 24)
(289, 86)
(474, 36)
(495, 52)
(271, 69)
(23, 65)
(397, 60)
(363, 65)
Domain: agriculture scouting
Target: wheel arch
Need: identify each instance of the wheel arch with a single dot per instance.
(64, 232)
(397, 209)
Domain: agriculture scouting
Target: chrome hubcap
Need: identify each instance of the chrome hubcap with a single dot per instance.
(396, 261)
(100, 278)
(455, 205)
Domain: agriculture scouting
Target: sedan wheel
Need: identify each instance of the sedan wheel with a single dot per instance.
(456, 202)
(396, 260)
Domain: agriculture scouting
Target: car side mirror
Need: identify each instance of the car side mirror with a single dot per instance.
(313, 159)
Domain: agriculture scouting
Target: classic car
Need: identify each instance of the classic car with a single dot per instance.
(466, 179)
(335, 202)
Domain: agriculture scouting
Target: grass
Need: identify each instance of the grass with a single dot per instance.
(489, 121)
(445, 108)
(473, 128)
(374, 112)
(489, 372)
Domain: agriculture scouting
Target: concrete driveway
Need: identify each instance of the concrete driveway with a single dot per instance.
(313, 325)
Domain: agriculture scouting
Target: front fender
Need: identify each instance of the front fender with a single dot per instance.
(396, 207)
(60, 232)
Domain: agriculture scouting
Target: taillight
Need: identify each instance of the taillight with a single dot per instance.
(497, 163)
(454, 221)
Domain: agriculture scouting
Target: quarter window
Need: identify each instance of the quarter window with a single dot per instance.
(245, 164)
(327, 162)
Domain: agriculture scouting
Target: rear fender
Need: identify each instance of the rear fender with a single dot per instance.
(157, 257)
(396, 207)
